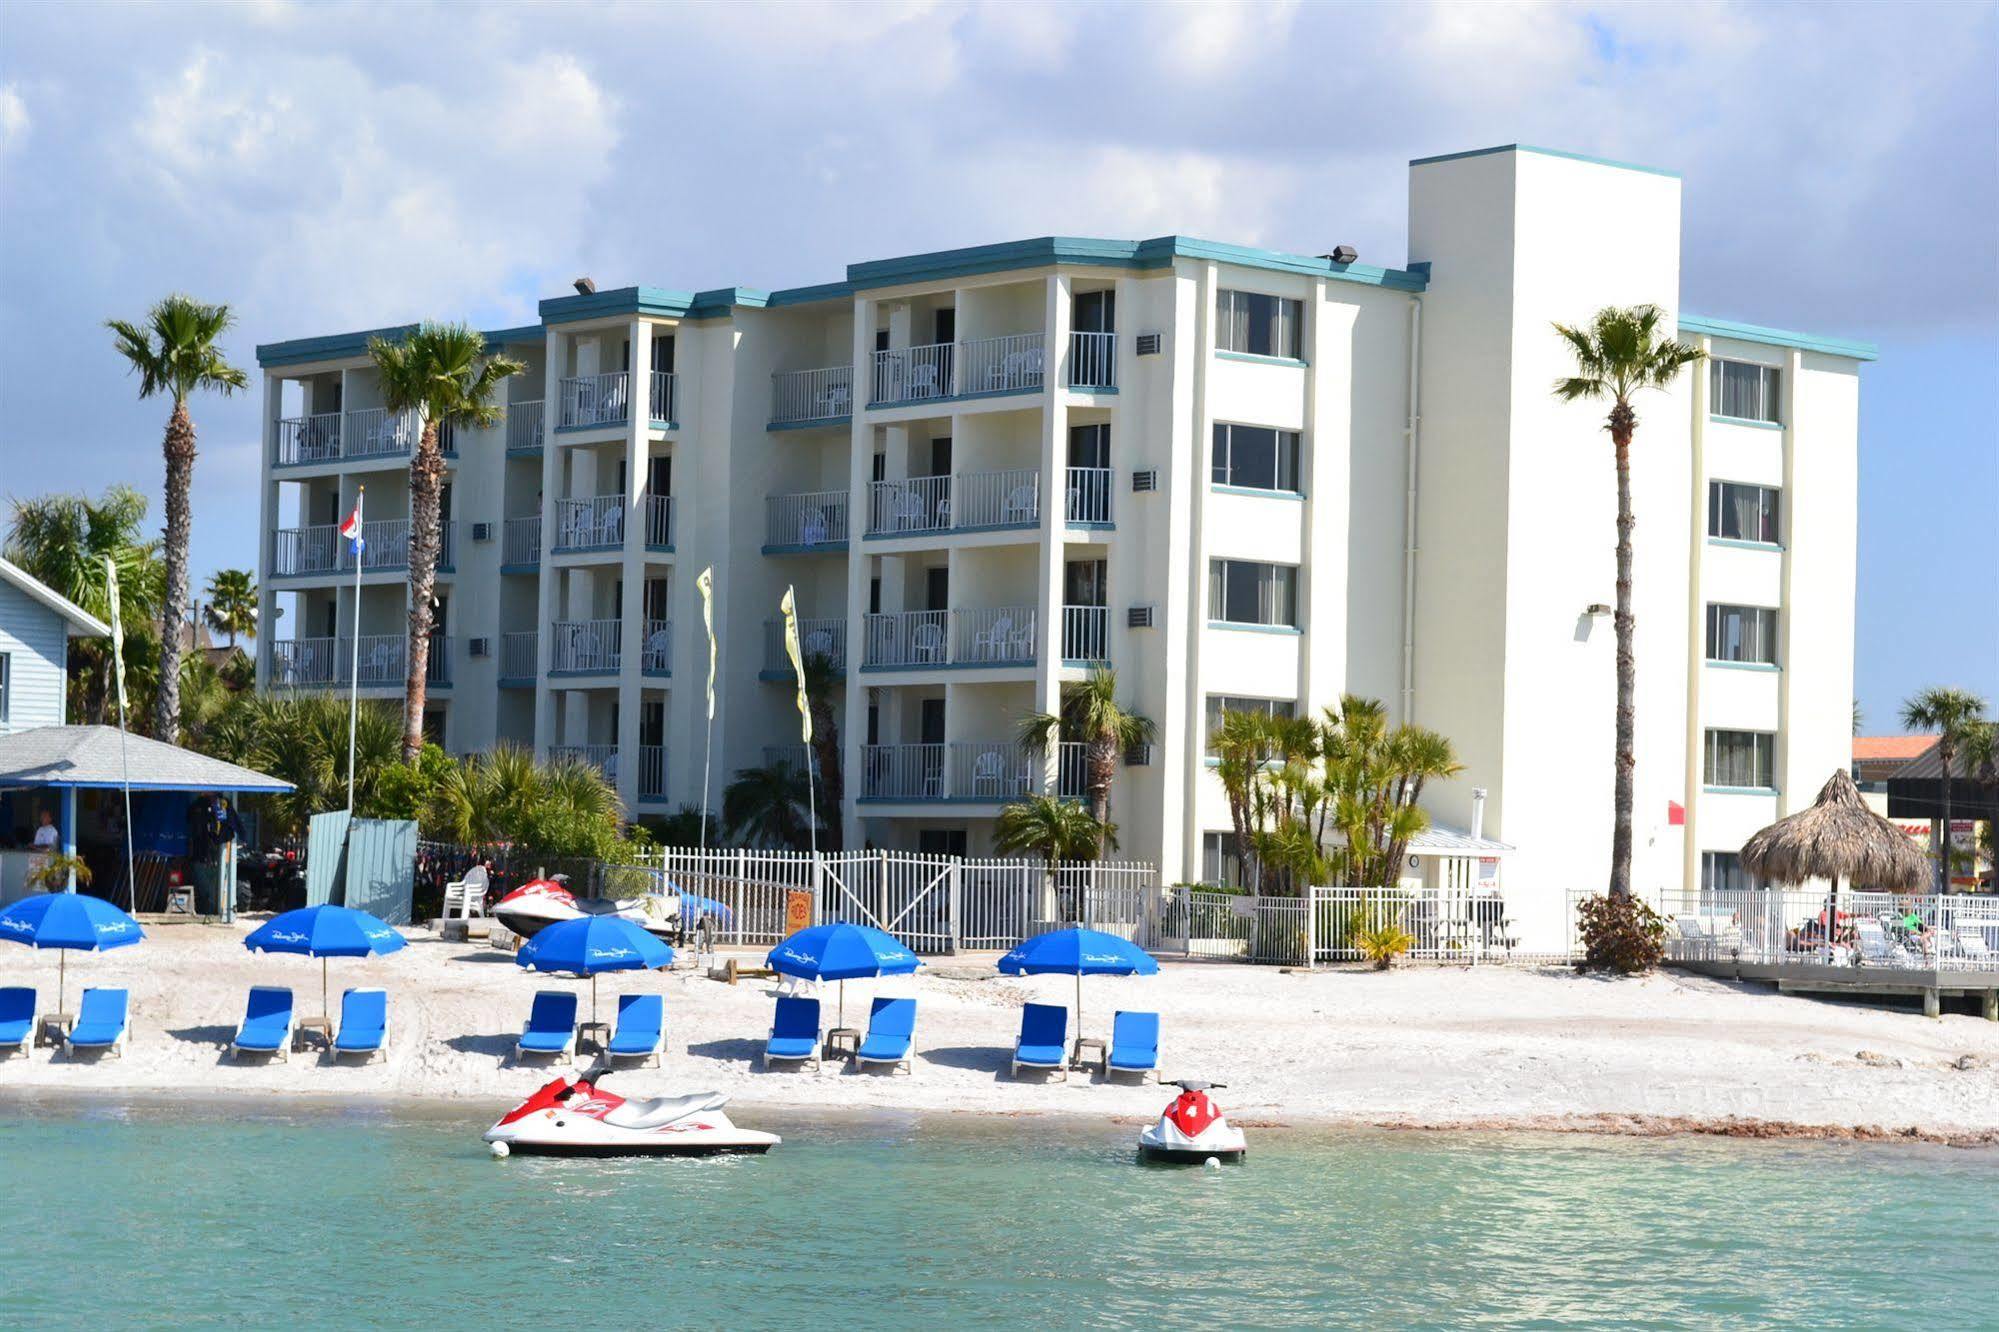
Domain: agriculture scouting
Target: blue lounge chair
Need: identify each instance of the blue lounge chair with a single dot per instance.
(891, 1027)
(17, 1017)
(364, 1022)
(267, 1023)
(1044, 1039)
(641, 1032)
(794, 1031)
(551, 1028)
(1134, 1044)
(102, 1022)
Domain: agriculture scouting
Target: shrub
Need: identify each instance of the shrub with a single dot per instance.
(1382, 944)
(1620, 934)
(52, 874)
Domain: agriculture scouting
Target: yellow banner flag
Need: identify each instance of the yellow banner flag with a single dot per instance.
(117, 631)
(789, 607)
(705, 581)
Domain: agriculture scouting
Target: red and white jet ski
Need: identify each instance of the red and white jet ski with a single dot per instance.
(580, 1118)
(539, 903)
(1192, 1129)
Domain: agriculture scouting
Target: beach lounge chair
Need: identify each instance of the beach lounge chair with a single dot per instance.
(1876, 949)
(1044, 1039)
(641, 1032)
(267, 1023)
(364, 1020)
(17, 1017)
(794, 1031)
(1134, 1045)
(891, 1028)
(1971, 945)
(102, 1022)
(551, 1028)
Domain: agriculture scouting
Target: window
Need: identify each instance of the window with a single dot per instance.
(1742, 758)
(1742, 390)
(1255, 457)
(1742, 633)
(1721, 871)
(1742, 512)
(1246, 592)
(1221, 862)
(1249, 321)
(1220, 703)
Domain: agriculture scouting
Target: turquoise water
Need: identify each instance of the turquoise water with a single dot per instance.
(270, 1214)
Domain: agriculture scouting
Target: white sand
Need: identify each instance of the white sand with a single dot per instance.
(1419, 1046)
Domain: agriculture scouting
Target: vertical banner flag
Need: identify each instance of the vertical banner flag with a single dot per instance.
(705, 581)
(790, 608)
(117, 631)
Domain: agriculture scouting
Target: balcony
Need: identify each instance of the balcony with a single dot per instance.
(1093, 362)
(1089, 496)
(604, 758)
(326, 663)
(520, 542)
(1072, 770)
(328, 437)
(584, 647)
(811, 397)
(304, 552)
(816, 638)
(524, 427)
(652, 773)
(517, 659)
(590, 524)
(595, 400)
(1086, 635)
(812, 521)
(794, 756)
(981, 367)
(917, 640)
(656, 655)
(967, 501)
(966, 771)
(659, 521)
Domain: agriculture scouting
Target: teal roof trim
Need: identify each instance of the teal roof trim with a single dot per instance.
(1158, 252)
(618, 301)
(342, 346)
(1544, 152)
(1777, 337)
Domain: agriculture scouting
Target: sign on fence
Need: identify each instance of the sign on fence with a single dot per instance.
(797, 911)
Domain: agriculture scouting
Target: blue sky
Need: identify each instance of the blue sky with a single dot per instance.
(330, 167)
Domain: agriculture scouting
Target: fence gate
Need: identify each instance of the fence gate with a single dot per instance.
(907, 896)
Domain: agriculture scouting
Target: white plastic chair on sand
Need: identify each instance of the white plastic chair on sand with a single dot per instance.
(467, 895)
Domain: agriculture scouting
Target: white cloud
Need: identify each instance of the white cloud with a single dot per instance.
(13, 117)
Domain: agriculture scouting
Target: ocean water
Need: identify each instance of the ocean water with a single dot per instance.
(274, 1214)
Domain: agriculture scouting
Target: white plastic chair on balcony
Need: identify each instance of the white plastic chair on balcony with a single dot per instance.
(659, 649)
(989, 773)
(819, 643)
(908, 510)
(837, 400)
(926, 643)
(611, 527)
(583, 650)
(382, 660)
(1020, 504)
(990, 643)
(577, 528)
(1021, 642)
(922, 382)
(468, 894)
(1018, 369)
(610, 767)
(812, 528)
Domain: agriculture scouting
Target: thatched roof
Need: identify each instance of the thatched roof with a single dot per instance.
(1838, 837)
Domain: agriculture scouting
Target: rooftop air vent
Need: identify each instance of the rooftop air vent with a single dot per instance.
(1342, 254)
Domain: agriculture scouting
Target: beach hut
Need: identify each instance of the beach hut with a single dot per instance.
(1837, 838)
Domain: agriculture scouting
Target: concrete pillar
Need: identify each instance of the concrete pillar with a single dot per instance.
(545, 587)
(632, 566)
(1054, 507)
(860, 467)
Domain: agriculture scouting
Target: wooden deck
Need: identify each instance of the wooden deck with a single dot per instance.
(1823, 978)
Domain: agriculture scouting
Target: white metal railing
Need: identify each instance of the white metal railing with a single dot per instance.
(918, 504)
(1089, 497)
(788, 756)
(1086, 633)
(1007, 498)
(604, 758)
(517, 660)
(1092, 360)
(912, 374)
(816, 518)
(320, 663)
(659, 521)
(816, 638)
(304, 663)
(385, 545)
(656, 656)
(982, 770)
(305, 550)
(1009, 364)
(377, 432)
(584, 646)
(812, 395)
(592, 400)
(903, 772)
(907, 638)
(520, 540)
(664, 402)
(1910, 932)
(991, 770)
(524, 424)
(308, 439)
(1072, 770)
(590, 524)
(652, 772)
(993, 635)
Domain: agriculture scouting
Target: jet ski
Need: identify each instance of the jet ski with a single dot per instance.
(581, 1118)
(539, 903)
(1192, 1129)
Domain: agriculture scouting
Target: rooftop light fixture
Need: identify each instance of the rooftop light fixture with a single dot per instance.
(585, 287)
(1342, 254)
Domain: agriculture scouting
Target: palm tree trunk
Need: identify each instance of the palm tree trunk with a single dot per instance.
(826, 749)
(1946, 751)
(1103, 771)
(1622, 422)
(426, 488)
(179, 449)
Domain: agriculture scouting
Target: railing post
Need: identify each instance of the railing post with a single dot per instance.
(952, 901)
(1311, 927)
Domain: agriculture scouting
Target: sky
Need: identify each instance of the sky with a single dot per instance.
(329, 167)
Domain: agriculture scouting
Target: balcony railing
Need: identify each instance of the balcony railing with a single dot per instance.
(821, 638)
(812, 395)
(524, 420)
(793, 756)
(323, 663)
(1086, 633)
(981, 770)
(517, 655)
(1089, 497)
(584, 647)
(659, 522)
(309, 439)
(596, 400)
(377, 432)
(913, 374)
(656, 656)
(320, 549)
(1009, 364)
(1007, 498)
(815, 519)
(1072, 770)
(995, 636)
(907, 638)
(590, 524)
(520, 541)
(297, 551)
(1093, 360)
(665, 400)
(604, 758)
(652, 772)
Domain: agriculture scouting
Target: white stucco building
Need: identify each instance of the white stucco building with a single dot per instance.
(1229, 473)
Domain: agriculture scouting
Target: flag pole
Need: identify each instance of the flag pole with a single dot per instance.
(124, 764)
(789, 607)
(354, 633)
(706, 583)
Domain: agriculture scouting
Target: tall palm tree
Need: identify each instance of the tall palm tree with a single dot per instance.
(175, 353)
(442, 371)
(1417, 755)
(1955, 715)
(1620, 353)
(232, 603)
(822, 686)
(767, 807)
(1091, 714)
(1054, 829)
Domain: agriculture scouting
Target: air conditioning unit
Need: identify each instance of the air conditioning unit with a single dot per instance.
(482, 531)
(1138, 756)
(1138, 617)
(1148, 344)
(479, 647)
(1144, 479)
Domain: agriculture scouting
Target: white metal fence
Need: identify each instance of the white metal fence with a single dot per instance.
(517, 655)
(665, 399)
(597, 523)
(816, 638)
(817, 518)
(585, 646)
(1089, 498)
(812, 395)
(521, 540)
(1009, 497)
(1869, 931)
(592, 400)
(1092, 360)
(524, 426)
(993, 635)
(1086, 633)
(656, 656)
(1009, 364)
(659, 522)
(322, 663)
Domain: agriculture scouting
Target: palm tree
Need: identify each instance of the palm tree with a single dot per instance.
(1417, 755)
(442, 371)
(822, 686)
(176, 353)
(232, 603)
(1955, 715)
(1054, 829)
(767, 806)
(1092, 715)
(1620, 353)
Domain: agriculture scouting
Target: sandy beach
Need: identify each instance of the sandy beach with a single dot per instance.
(1419, 1047)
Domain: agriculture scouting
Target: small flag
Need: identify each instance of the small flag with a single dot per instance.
(789, 607)
(117, 631)
(351, 529)
(705, 581)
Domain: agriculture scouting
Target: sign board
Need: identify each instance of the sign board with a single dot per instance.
(797, 910)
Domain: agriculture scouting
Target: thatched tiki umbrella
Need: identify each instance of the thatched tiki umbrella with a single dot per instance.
(1837, 838)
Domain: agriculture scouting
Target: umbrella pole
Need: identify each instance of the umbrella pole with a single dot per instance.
(324, 1011)
(62, 974)
(1078, 1054)
(843, 1004)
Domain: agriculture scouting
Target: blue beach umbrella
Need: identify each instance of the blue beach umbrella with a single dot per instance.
(590, 944)
(1078, 952)
(842, 952)
(325, 931)
(66, 921)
